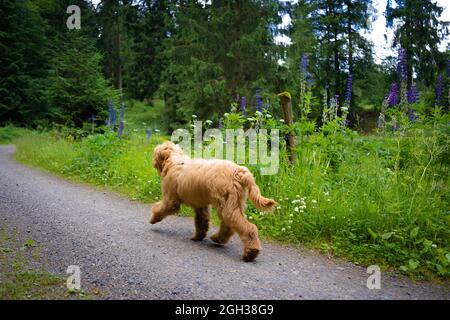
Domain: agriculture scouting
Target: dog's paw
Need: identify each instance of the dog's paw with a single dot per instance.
(250, 255)
(216, 239)
(197, 238)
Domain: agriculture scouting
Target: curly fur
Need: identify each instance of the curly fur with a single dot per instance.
(201, 183)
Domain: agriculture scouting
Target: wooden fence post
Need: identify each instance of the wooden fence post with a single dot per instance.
(288, 115)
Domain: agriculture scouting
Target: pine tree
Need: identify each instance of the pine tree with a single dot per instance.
(216, 52)
(419, 31)
(77, 88)
(23, 62)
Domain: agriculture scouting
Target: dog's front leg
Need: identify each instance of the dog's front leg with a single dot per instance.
(162, 209)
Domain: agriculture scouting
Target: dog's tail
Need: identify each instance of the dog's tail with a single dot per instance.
(246, 179)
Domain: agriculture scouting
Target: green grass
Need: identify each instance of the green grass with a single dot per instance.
(379, 199)
(18, 281)
(10, 132)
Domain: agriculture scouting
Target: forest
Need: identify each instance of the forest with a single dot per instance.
(369, 181)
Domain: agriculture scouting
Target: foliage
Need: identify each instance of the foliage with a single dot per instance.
(374, 199)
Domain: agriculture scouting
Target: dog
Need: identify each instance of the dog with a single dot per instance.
(201, 184)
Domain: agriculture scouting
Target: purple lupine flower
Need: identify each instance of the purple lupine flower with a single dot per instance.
(112, 115)
(243, 105)
(304, 63)
(439, 89)
(348, 92)
(121, 123)
(393, 94)
(347, 122)
(401, 65)
(411, 114)
(149, 134)
(412, 94)
(259, 103)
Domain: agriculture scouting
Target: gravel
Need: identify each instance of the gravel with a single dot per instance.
(120, 253)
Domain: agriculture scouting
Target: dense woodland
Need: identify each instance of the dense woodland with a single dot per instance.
(199, 57)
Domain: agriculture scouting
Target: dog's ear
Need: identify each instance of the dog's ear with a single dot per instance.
(160, 155)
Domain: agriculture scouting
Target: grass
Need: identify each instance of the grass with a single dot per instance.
(23, 274)
(376, 199)
(20, 281)
(10, 132)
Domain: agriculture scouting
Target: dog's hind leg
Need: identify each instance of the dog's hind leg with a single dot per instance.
(248, 233)
(202, 217)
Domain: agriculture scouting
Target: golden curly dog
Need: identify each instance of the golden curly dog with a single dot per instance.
(200, 183)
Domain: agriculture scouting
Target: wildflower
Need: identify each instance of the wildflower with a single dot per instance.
(290, 221)
(112, 118)
(243, 105)
(412, 94)
(401, 64)
(268, 116)
(411, 114)
(348, 92)
(393, 94)
(226, 114)
(209, 122)
(258, 113)
(194, 116)
(333, 218)
(281, 120)
(434, 245)
(326, 193)
(296, 209)
(439, 89)
(314, 201)
(156, 130)
(304, 63)
(149, 134)
(283, 229)
(259, 103)
(291, 215)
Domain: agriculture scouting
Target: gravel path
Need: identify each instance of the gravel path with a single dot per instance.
(124, 256)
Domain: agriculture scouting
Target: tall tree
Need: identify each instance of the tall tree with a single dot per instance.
(419, 31)
(218, 50)
(77, 88)
(151, 27)
(23, 62)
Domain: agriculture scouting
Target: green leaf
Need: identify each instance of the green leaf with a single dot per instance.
(29, 243)
(404, 268)
(413, 264)
(414, 232)
(372, 233)
(448, 256)
(387, 235)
